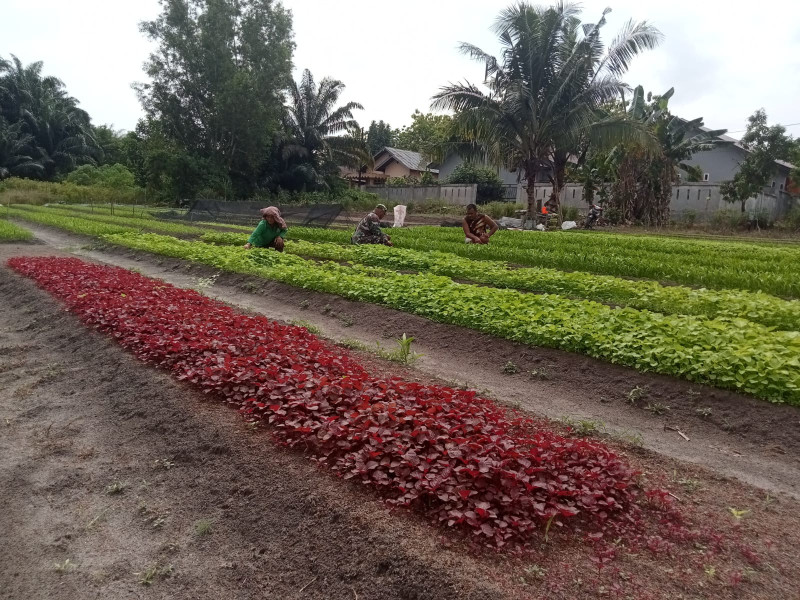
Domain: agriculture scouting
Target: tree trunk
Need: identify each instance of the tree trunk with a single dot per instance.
(534, 204)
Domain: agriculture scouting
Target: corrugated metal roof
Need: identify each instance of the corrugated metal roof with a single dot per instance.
(408, 158)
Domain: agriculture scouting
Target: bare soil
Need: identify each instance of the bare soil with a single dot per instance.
(78, 415)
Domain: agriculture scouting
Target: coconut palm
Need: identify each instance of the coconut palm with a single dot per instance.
(317, 142)
(546, 90)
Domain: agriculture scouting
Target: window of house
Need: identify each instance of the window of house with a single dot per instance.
(706, 176)
(781, 187)
(773, 184)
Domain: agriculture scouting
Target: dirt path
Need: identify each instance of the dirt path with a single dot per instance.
(117, 468)
(735, 435)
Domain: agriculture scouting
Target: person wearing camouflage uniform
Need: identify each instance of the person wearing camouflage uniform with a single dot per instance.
(369, 229)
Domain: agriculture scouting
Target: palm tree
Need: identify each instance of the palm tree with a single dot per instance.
(545, 91)
(15, 159)
(314, 147)
(59, 135)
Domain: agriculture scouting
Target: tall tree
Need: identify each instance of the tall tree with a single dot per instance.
(428, 134)
(546, 89)
(217, 80)
(644, 175)
(316, 142)
(379, 136)
(53, 132)
(764, 146)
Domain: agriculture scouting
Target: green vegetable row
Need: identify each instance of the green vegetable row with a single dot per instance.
(770, 269)
(649, 295)
(9, 232)
(148, 223)
(736, 355)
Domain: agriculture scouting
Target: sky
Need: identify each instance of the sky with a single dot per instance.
(724, 62)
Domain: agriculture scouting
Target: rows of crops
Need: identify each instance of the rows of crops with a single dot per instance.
(650, 295)
(739, 354)
(720, 337)
(771, 269)
(10, 232)
(456, 458)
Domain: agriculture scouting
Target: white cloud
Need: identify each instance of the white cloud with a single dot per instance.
(723, 61)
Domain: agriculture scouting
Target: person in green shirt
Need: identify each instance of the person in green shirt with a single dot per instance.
(271, 231)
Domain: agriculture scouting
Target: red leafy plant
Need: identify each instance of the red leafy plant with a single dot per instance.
(459, 459)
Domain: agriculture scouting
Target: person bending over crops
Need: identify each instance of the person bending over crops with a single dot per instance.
(270, 232)
(478, 227)
(369, 229)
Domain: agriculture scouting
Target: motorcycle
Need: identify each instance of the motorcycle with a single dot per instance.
(594, 216)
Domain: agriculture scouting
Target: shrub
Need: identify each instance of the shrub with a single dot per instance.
(490, 186)
(569, 213)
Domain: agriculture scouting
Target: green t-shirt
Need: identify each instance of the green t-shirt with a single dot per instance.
(265, 234)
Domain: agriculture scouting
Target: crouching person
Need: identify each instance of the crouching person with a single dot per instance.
(270, 232)
(369, 229)
(478, 228)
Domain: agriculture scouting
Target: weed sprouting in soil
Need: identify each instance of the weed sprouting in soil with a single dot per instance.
(403, 353)
(657, 408)
(203, 527)
(64, 567)
(637, 394)
(510, 368)
(115, 488)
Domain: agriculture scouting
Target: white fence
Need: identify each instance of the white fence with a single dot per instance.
(427, 194)
(701, 199)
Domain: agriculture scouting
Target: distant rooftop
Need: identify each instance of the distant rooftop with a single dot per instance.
(408, 158)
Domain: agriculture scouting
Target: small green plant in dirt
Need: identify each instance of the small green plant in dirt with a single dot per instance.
(250, 286)
(149, 575)
(304, 304)
(309, 326)
(203, 526)
(326, 309)
(657, 408)
(689, 484)
(510, 368)
(353, 344)
(704, 412)
(64, 567)
(91, 524)
(541, 374)
(115, 488)
(163, 463)
(536, 571)
(584, 427)
(710, 571)
(637, 394)
(634, 438)
(203, 283)
(346, 320)
(738, 514)
(403, 353)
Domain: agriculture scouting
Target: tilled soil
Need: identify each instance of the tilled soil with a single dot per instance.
(739, 436)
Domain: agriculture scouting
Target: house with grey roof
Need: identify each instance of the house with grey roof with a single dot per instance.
(394, 162)
(722, 163)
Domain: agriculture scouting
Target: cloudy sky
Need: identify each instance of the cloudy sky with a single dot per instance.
(724, 62)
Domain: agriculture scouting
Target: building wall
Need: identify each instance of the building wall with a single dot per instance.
(722, 164)
(395, 169)
(701, 199)
(454, 160)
